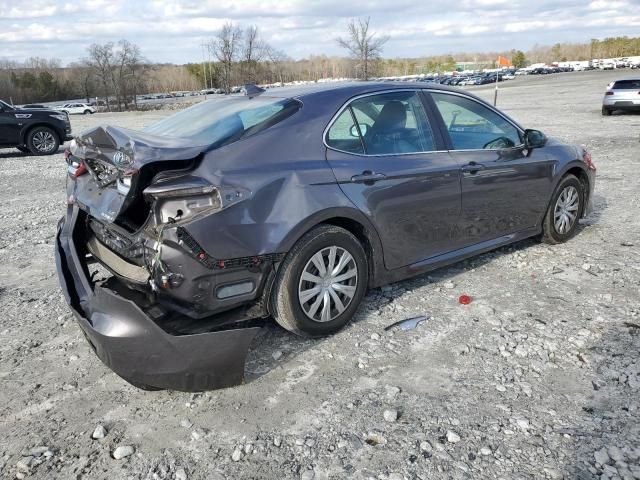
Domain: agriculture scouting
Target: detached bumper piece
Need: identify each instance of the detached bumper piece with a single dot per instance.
(144, 343)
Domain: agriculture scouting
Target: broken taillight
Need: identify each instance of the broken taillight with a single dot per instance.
(76, 168)
(586, 158)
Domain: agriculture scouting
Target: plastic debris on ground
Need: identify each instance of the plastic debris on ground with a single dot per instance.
(407, 323)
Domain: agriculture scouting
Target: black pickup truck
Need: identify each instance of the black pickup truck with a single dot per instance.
(36, 130)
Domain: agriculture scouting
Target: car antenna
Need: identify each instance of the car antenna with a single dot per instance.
(251, 90)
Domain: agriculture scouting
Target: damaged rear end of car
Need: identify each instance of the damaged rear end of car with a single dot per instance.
(157, 307)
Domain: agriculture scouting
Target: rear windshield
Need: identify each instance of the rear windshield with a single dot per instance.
(627, 85)
(223, 121)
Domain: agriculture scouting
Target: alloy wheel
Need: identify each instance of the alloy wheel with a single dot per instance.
(43, 141)
(327, 284)
(565, 213)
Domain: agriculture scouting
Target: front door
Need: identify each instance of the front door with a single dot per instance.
(390, 163)
(504, 187)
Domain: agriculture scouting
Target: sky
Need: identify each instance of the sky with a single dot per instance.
(174, 30)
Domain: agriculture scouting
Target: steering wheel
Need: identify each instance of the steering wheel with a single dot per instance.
(499, 143)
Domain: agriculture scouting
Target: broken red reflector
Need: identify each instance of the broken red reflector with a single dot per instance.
(464, 299)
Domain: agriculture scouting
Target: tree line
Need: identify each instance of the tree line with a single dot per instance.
(118, 72)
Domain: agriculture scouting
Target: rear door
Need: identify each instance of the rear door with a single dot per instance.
(391, 163)
(505, 188)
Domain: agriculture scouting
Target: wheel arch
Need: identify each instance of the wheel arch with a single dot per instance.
(578, 170)
(28, 128)
(354, 222)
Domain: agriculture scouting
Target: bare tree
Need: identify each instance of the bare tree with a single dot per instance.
(253, 52)
(84, 76)
(128, 61)
(278, 60)
(101, 59)
(225, 47)
(362, 45)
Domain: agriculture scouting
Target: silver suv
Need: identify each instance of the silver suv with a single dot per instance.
(622, 94)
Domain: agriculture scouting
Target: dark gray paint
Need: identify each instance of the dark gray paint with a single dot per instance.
(429, 210)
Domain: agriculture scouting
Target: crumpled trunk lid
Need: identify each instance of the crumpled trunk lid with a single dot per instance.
(103, 142)
(112, 155)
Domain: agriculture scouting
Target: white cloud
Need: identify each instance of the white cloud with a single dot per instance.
(172, 30)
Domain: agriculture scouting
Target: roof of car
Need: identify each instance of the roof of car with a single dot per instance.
(300, 91)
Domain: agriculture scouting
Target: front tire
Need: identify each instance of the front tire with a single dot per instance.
(43, 141)
(87, 112)
(566, 208)
(321, 282)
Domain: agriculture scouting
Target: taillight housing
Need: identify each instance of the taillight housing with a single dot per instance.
(586, 158)
(76, 167)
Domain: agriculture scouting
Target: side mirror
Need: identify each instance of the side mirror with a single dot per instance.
(354, 130)
(534, 138)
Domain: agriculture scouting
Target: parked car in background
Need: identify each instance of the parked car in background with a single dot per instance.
(292, 202)
(36, 130)
(623, 94)
(77, 108)
(33, 105)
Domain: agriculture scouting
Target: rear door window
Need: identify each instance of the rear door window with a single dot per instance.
(473, 126)
(393, 123)
(343, 134)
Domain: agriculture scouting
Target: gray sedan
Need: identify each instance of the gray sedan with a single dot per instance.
(291, 203)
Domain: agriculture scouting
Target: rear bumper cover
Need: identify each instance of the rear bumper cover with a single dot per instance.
(133, 344)
(622, 103)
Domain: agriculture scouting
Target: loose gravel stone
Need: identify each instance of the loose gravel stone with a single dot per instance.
(236, 455)
(99, 433)
(390, 415)
(452, 437)
(601, 456)
(123, 451)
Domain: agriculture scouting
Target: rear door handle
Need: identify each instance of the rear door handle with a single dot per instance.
(368, 177)
(472, 167)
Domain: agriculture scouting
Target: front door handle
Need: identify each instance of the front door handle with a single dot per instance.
(472, 167)
(368, 177)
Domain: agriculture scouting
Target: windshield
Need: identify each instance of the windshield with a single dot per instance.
(222, 121)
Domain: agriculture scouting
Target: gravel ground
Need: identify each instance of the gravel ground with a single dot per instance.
(538, 377)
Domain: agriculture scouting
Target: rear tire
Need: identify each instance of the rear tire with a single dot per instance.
(321, 282)
(606, 112)
(565, 209)
(86, 112)
(43, 141)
